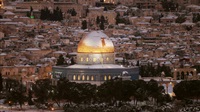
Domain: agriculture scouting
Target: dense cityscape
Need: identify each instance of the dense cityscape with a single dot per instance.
(100, 55)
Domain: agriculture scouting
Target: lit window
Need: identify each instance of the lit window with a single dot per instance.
(94, 59)
(88, 77)
(109, 77)
(107, 59)
(87, 59)
(92, 78)
(81, 59)
(79, 77)
(83, 77)
(74, 77)
(105, 77)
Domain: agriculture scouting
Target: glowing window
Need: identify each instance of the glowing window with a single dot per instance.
(81, 59)
(79, 77)
(107, 59)
(83, 77)
(94, 59)
(92, 78)
(109, 77)
(88, 77)
(87, 59)
(105, 77)
(74, 77)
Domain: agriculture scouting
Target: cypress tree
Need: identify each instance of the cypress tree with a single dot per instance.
(84, 24)
(60, 60)
(97, 20)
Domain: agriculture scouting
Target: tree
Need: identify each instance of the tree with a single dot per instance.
(45, 14)
(138, 63)
(56, 15)
(169, 5)
(73, 12)
(105, 9)
(155, 91)
(117, 18)
(102, 19)
(97, 20)
(31, 9)
(28, 14)
(106, 92)
(15, 92)
(196, 17)
(60, 60)
(84, 24)
(61, 91)
(87, 11)
(101, 26)
(154, 71)
(188, 28)
(187, 90)
(30, 93)
(102, 22)
(41, 90)
(180, 19)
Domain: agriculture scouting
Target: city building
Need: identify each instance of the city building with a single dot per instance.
(95, 62)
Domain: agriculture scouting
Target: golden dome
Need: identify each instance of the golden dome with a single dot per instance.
(95, 42)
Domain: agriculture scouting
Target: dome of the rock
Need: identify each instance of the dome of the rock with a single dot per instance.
(95, 42)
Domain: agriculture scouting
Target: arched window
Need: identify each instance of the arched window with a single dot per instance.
(88, 77)
(109, 77)
(107, 59)
(81, 59)
(87, 59)
(74, 77)
(94, 59)
(105, 77)
(83, 77)
(79, 77)
(92, 78)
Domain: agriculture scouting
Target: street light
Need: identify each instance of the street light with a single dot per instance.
(10, 104)
(52, 109)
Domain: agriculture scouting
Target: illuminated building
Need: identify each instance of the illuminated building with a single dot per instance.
(95, 62)
(1, 3)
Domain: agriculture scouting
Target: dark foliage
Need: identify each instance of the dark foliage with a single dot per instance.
(56, 15)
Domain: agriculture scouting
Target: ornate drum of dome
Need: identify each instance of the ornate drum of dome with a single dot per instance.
(95, 48)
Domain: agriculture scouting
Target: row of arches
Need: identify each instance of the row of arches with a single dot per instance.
(89, 77)
(184, 75)
(83, 78)
(94, 59)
